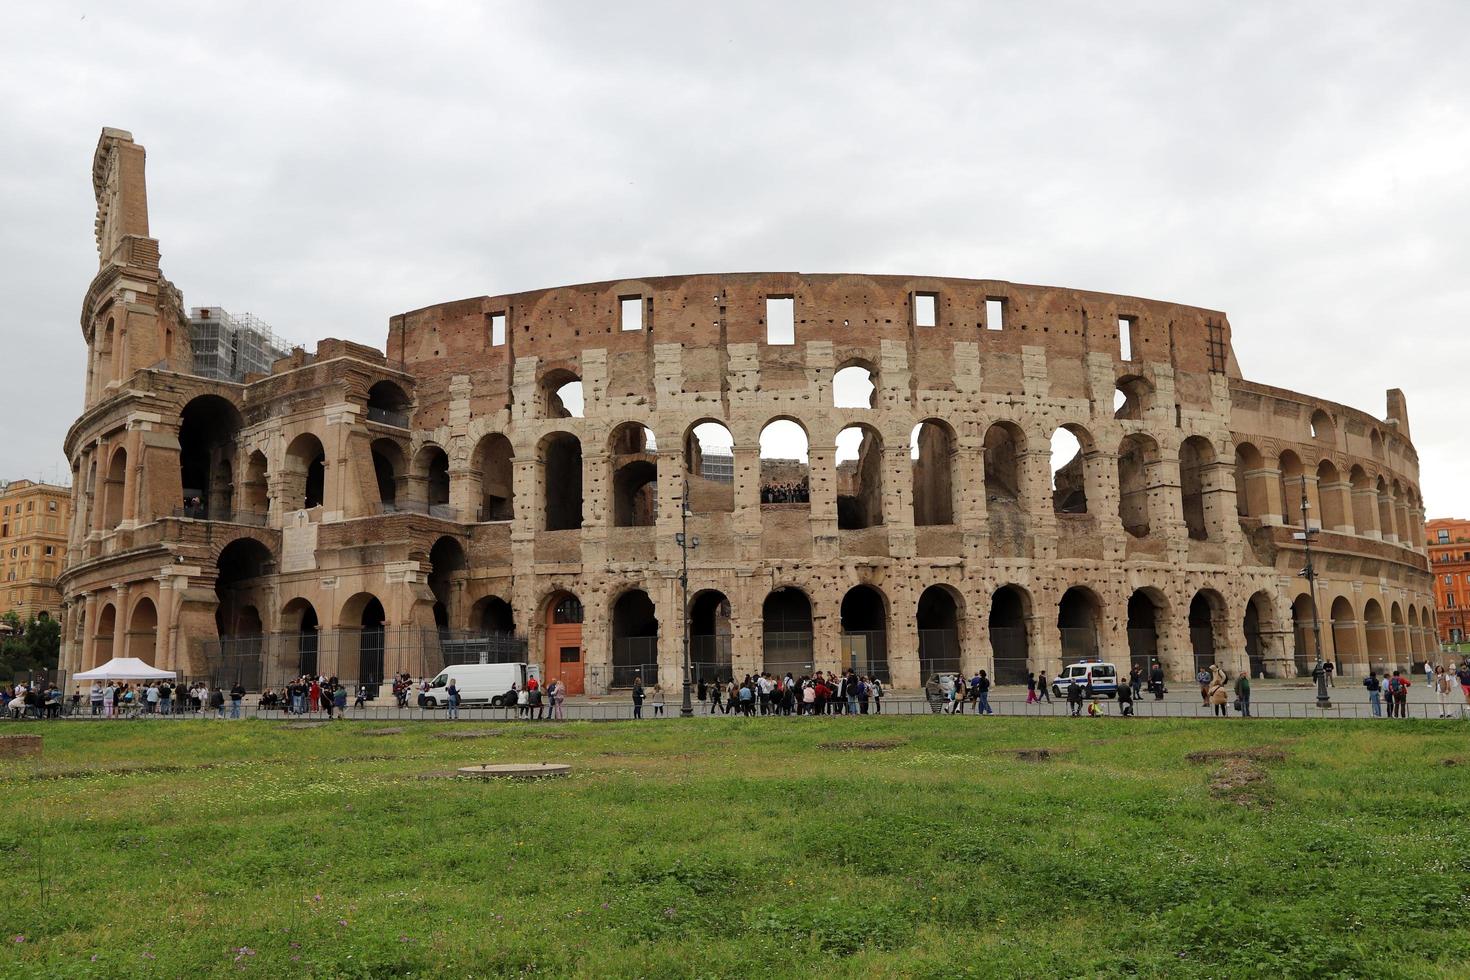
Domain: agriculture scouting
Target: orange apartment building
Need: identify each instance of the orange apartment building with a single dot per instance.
(34, 518)
(1449, 560)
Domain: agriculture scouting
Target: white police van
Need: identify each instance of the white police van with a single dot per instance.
(1102, 676)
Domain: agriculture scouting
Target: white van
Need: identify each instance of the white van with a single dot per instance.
(1098, 679)
(480, 683)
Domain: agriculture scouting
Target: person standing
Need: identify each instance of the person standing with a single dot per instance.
(1329, 667)
(1031, 688)
(878, 696)
(1400, 695)
(1156, 680)
(237, 694)
(637, 695)
(166, 698)
(94, 698)
(109, 699)
(453, 691)
(1243, 694)
(1135, 680)
(1043, 688)
(1203, 680)
(217, 701)
(1375, 698)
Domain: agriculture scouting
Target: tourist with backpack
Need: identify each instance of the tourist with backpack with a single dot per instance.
(1398, 692)
(1375, 696)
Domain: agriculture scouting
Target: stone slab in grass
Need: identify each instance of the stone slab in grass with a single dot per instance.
(864, 745)
(383, 731)
(473, 733)
(517, 770)
(20, 746)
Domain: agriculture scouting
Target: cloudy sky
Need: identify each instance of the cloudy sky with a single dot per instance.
(1301, 166)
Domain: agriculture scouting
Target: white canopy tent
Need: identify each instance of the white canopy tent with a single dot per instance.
(125, 669)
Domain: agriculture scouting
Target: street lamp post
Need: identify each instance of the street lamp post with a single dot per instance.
(1310, 574)
(686, 709)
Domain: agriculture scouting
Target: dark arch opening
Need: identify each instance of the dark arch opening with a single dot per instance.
(208, 428)
(786, 632)
(561, 455)
(446, 576)
(864, 616)
(634, 639)
(938, 622)
(1205, 612)
(494, 458)
(1145, 609)
(709, 635)
(1009, 644)
(932, 447)
(389, 404)
(859, 478)
(388, 470)
(1079, 617)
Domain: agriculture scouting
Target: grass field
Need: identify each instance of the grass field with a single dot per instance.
(725, 847)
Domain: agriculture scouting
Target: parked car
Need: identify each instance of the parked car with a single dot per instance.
(1098, 679)
(479, 683)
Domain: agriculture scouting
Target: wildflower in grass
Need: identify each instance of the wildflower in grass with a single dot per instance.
(17, 939)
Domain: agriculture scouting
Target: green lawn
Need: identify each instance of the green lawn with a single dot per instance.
(733, 847)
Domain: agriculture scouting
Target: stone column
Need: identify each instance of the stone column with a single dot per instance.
(1365, 512)
(89, 631)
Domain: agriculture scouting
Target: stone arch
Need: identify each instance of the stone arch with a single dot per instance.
(388, 404)
(1138, 476)
(446, 579)
(864, 623)
(786, 632)
(634, 638)
(1004, 449)
(255, 500)
(1196, 462)
(390, 471)
(1332, 492)
(1010, 636)
(242, 586)
(1401, 637)
(305, 469)
(560, 457)
(562, 394)
(494, 464)
(208, 428)
(104, 637)
(1079, 624)
(932, 447)
(709, 467)
(785, 472)
(1305, 628)
(143, 631)
(859, 459)
(940, 622)
(1322, 428)
(493, 615)
(1207, 636)
(1344, 632)
(1073, 443)
(1133, 396)
(1375, 443)
(855, 385)
(431, 471)
(633, 471)
(301, 648)
(1293, 486)
(114, 488)
(1148, 619)
(711, 632)
(560, 620)
(1377, 641)
(1252, 497)
(362, 631)
(1258, 622)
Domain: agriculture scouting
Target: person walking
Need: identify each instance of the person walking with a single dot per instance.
(1043, 688)
(982, 694)
(1031, 688)
(1218, 698)
(1375, 697)
(1398, 689)
(1243, 694)
(638, 696)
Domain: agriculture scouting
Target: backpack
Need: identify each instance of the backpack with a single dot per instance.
(1395, 685)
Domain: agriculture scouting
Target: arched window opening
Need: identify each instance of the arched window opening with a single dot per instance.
(859, 478)
(1322, 428)
(932, 449)
(143, 632)
(256, 497)
(785, 475)
(1250, 486)
(1147, 609)
(306, 467)
(865, 632)
(1293, 488)
(1344, 633)
(1334, 496)
(496, 617)
(447, 577)
(494, 460)
(208, 427)
(710, 633)
(854, 387)
(633, 461)
(1196, 456)
(635, 639)
(1365, 502)
(1079, 618)
(1010, 608)
(1004, 511)
(1206, 614)
(388, 404)
(1304, 629)
(1386, 527)
(938, 622)
(302, 645)
(564, 395)
(561, 479)
(1259, 615)
(431, 476)
(1138, 461)
(1375, 632)
(389, 471)
(786, 633)
(113, 488)
(242, 586)
(1132, 397)
(1068, 472)
(709, 468)
(104, 639)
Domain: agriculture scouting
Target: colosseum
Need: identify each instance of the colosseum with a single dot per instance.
(856, 469)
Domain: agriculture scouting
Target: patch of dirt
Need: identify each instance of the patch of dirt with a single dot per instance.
(297, 726)
(364, 758)
(383, 731)
(547, 735)
(864, 745)
(1036, 755)
(1260, 753)
(439, 774)
(1453, 760)
(1241, 781)
(482, 733)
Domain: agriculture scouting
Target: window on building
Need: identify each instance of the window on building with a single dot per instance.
(1449, 580)
(780, 320)
(995, 313)
(1125, 336)
(30, 506)
(497, 329)
(632, 312)
(1449, 601)
(51, 506)
(50, 550)
(1443, 537)
(926, 309)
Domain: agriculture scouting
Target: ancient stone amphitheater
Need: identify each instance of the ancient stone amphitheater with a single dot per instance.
(868, 469)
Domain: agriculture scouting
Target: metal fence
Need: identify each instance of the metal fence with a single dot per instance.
(783, 652)
(939, 653)
(365, 656)
(867, 653)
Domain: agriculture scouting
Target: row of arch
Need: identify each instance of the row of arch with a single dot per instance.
(1354, 502)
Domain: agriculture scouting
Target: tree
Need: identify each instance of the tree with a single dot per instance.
(33, 645)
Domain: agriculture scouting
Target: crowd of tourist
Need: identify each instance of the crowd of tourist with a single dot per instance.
(819, 693)
(309, 695)
(41, 700)
(786, 493)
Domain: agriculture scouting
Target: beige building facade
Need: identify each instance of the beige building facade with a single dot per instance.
(521, 467)
(34, 520)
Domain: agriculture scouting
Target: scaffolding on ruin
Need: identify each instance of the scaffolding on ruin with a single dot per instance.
(228, 347)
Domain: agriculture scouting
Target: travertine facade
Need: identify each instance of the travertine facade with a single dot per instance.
(351, 493)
